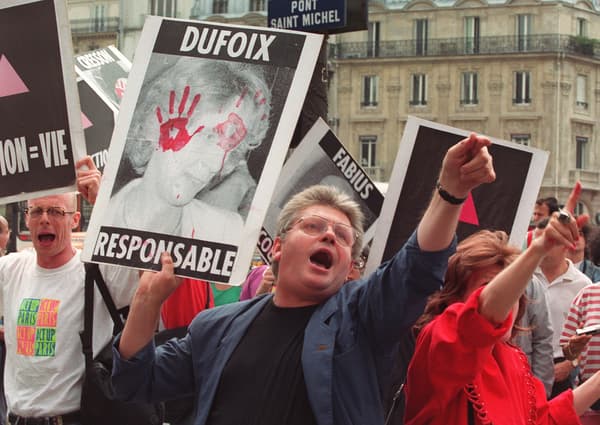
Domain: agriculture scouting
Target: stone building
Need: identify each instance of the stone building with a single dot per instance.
(521, 70)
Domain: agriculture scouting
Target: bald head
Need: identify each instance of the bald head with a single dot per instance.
(69, 200)
(4, 234)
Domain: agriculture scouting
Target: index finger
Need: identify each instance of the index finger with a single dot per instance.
(573, 197)
(86, 163)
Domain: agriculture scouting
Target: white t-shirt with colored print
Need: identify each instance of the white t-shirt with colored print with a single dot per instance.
(43, 316)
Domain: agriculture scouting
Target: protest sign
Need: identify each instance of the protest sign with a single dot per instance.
(321, 159)
(506, 204)
(98, 120)
(201, 135)
(106, 71)
(41, 136)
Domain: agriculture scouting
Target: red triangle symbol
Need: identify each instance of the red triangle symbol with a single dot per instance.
(468, 214)
(85, 121)
(10, 82)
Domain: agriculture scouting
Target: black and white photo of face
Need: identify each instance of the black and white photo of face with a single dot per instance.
(201, 119)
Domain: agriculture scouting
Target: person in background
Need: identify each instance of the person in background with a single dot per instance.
(535, 337)
(593, 244)
(260, 280)
(318, 350)
(464, 369)
(544, 208)
(189, 299)
(583, 350)
(562, 281)
(4, 235)
(579, 255)
(225, 294)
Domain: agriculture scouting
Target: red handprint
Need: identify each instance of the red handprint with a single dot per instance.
(231, 133)
(181, 138)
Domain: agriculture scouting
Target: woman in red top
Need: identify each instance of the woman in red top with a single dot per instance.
(465, 370)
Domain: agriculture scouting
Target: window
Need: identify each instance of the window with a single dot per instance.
(421, 37)
(166, 8)
(368, 149)
(522, 139)
(419, 90)
(582, 27)
(522, 94)
(373, 39)
(219, 6)
(581, 152)
(369, 90)
(523, 31)
(257, 5)
(99, 23)
(581, 95)
(472, 34)
(468, 89)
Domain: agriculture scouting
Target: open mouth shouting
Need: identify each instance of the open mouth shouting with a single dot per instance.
(46, 239)
(322, 258)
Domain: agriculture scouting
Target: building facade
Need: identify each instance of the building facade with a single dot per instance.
(521, 70)
(94, 24)
(525, 70)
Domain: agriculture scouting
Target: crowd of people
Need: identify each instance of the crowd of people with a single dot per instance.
(497, 331)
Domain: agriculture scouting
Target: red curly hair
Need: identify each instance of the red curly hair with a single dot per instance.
(477, 252)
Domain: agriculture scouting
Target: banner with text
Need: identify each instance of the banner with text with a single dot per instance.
(41, 136)
(106, 71)
(321, 159)
(102, 82)
(203, 130)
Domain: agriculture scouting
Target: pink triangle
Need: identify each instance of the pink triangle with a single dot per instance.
(85, 121)
(468, 214)
(10, 82)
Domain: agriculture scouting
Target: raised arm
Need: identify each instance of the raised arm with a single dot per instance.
(153, 289)
(88, 179)
(465, 166)
(498, 298)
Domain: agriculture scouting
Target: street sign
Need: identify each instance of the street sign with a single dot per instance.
(327, 16)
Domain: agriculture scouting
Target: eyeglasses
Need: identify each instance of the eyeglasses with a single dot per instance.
(54, 212)
(314, 225)
(360, 263)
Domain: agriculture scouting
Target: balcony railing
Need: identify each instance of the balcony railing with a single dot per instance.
(588, 178)
(95, 25)
(493, 45)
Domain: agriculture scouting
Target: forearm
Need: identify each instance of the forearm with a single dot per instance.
(586, 394)
(500, 295)
(438, 225)
(140, 325)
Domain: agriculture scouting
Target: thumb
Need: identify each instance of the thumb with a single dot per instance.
(167, 263)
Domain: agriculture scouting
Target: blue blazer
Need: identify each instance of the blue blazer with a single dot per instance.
(348, 346)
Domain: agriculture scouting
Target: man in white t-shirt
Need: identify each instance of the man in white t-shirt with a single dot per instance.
(562, 281)
(42, 301)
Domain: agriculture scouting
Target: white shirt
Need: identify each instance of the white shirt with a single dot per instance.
(561, 292)
(43, 316)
